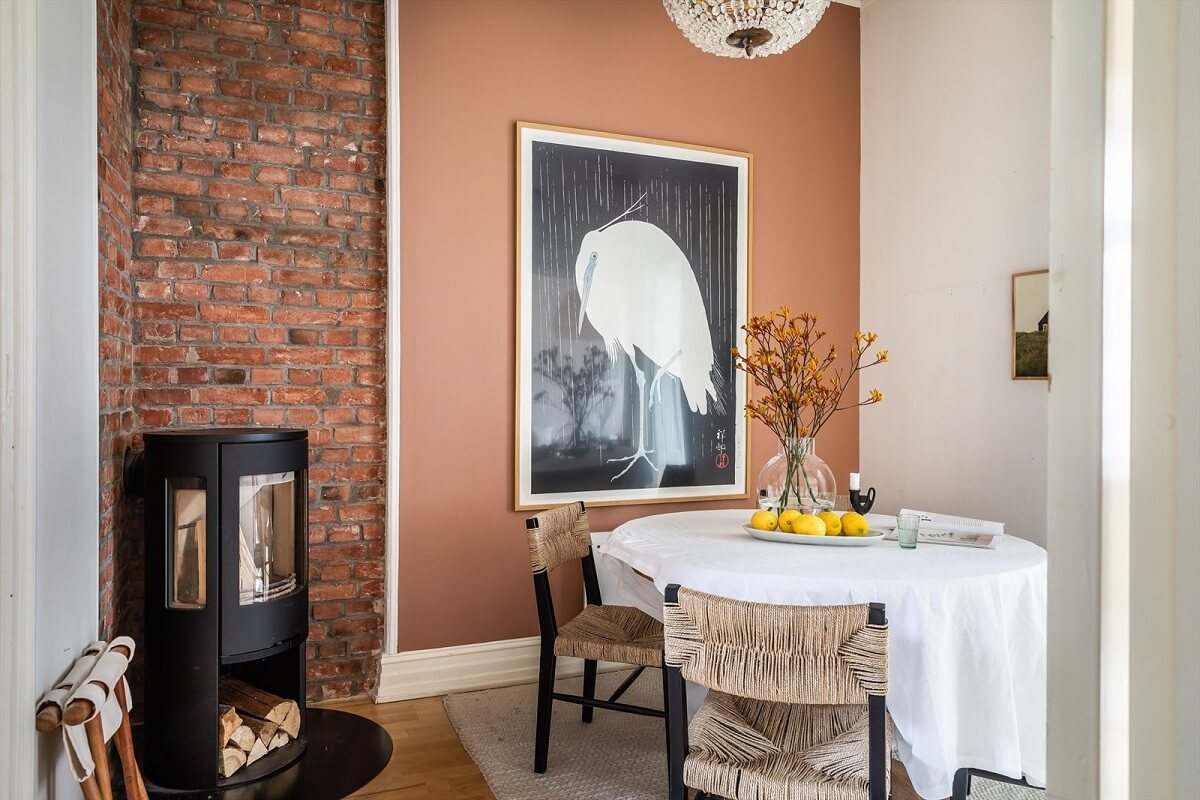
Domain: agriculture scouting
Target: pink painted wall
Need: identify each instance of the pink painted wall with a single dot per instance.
(469, 71)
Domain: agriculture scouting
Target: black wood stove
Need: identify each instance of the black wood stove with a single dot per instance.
(226, 590)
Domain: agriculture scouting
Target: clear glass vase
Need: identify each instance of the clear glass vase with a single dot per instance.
(796, 477)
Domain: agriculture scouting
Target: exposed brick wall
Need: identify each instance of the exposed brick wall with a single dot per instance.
(120, 578)
(260, 271)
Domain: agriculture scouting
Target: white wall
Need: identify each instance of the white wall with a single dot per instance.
(1124, 653)
(1074, 444)
(1187, 550)
(67, 597)
(955, 198)
(1164, 256)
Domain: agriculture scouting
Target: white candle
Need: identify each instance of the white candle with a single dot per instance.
(854, 481)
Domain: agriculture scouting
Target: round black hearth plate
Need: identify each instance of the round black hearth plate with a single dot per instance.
(344, 752)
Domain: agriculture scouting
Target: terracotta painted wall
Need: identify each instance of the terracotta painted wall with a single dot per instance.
(469, 71)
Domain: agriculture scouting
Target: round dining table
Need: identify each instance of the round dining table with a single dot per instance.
(967, 626)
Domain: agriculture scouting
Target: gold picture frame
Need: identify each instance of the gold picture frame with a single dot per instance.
(1030, 325)
(680, 155)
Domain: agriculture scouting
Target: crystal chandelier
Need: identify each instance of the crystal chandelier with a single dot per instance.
(745, 28)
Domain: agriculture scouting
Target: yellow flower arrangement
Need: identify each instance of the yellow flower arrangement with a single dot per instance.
(802, 386)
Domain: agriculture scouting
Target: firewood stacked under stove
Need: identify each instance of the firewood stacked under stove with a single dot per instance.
(253, 723)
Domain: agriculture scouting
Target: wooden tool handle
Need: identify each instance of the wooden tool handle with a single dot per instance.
(135, 789)
(49, 717)
(91, 790)
(79, 711)
(94, 728)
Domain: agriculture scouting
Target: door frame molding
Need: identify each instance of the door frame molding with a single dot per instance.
(18, 402)
(391, 565)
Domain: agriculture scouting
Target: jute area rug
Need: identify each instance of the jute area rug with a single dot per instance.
(616, 756)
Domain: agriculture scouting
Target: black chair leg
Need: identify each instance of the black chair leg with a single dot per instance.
(667, 727)
(589, 687)
(544, 707)
(677, 738)
(962, 784)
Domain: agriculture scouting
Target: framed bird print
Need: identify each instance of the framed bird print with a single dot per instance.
(633, 277)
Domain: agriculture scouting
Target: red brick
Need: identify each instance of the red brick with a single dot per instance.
(173, 184)
(315, 41)
(161, 311)
(228, 294)
(238, 8)
(273, 95)
(241, 191)
(155, 15)
(153, 38)
(238, 28)
(232, 397)
(232, 211)
(246, 314)
(194, 62)
(235, 251)
(227, 273)
(152, 354)
(196, 41)
(230, 108)
(274, 154)
(339, 83)
(194, 145)
(231, 355)
(271, 73)
(276, 13)
(231, 416)
(234, 47)
(232, 129)
(303, 197)
(233, 335)
(340, 64)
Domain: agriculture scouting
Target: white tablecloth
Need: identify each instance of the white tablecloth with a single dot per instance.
(967, 647)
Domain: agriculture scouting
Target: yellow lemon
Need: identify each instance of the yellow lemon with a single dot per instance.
(808, 525)
(763, 521)
(854, 524)
(833, 524)
(786, 518)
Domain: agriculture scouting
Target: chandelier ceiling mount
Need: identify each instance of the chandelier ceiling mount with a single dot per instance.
(745, 28)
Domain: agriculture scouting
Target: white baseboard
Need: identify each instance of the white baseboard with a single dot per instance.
(467, 668)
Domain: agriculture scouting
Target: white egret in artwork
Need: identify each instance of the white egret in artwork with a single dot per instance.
(639, 292)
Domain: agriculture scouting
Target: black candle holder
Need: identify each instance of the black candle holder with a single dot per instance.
(862, 502)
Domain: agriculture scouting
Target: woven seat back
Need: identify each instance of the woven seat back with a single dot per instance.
(561, 534)
(784, 654)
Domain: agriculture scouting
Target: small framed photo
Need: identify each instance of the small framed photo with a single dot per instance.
(1031, 325)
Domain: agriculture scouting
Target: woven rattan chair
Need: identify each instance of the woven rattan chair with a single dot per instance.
(599, 633)
(795, 708)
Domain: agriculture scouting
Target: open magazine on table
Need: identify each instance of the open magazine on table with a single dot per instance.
(949, 529)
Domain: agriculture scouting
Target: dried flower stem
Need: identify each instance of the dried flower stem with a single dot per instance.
(803, 388)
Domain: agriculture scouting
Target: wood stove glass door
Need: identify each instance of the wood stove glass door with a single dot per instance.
(263, 543)
(267, 538)
(187, 583)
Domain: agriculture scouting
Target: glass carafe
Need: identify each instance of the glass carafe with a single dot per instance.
(796, 477)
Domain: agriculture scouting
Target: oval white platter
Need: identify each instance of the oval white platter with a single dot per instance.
(827, 541)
